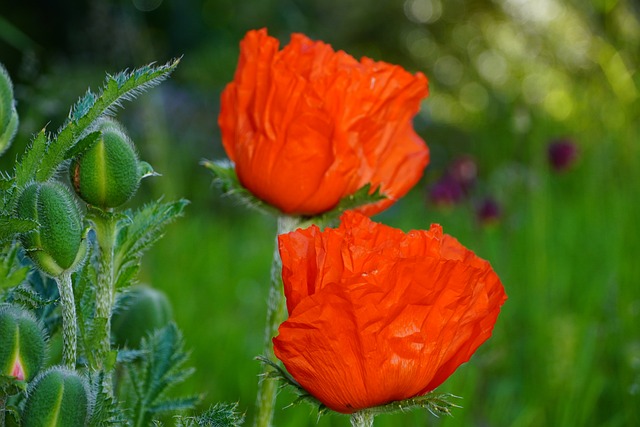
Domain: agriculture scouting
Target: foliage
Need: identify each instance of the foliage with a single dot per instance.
(144, 393)
(160, 368)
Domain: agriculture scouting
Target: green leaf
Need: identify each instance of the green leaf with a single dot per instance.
(219, 415)
(9, 385)
(29, 298)
(137, 235)
(364, 196)
(83, 145)
(226, 179)
(161, 368)
(28, 165)
(89, 108)
(105, 409)
(436, 403)
(277, 373)
(10, 227)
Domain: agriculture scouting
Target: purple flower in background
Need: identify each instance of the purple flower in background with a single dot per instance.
(562, 154)
(446, 192)
(488, 211)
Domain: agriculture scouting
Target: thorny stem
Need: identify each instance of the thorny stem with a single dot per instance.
(276, 314)
(362, 419)
(69, 323)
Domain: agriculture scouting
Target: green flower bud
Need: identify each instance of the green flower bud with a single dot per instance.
(22, 343)
(140, 311)
(58, 397)
(8, 113)
(106, 175)
(9, 132)
(55, 246)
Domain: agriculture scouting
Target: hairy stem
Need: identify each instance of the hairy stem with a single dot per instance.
(362, 419)
(105, 226)
(69, 323)
(276, 314)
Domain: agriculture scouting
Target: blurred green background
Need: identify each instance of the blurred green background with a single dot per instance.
(507, 77)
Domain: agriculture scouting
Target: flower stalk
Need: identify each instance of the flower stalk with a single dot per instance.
(105, 226)
(69, 322)
(362, 419)
(276, 314)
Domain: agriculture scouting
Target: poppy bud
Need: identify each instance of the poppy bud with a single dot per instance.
(106, 175)
(55, 245)
(8, 114)
(22, 343)
(58, 397)
(142, 310)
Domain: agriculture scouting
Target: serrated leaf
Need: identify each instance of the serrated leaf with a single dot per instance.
(143, 230)
(13, 278)
(127, 356)
(105, 410)
(92, 106)
(277, 373)
(161, 368)
(6, 182)
(175, 405)
(83, 145)
(29, 298)
(364, 196)
(219, 415)
(226, 179)
(436, 403)
(10, 227)
(28, 165)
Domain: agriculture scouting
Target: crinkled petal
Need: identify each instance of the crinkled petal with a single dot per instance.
(378, 315)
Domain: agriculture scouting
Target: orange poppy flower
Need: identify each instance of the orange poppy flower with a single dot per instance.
(377, 315)
(307, 126)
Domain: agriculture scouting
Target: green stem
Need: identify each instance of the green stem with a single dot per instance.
(362, 419)
(105, 228)
(69, 324)
(276, 314)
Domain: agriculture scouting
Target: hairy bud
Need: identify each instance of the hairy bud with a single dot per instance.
(8, 113)
(141, 311)
(22, 343)
(57, 397)
(106, 175)
(55, 246)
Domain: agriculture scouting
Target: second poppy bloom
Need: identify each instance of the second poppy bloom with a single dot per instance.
(377, 315)
(307, 126)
